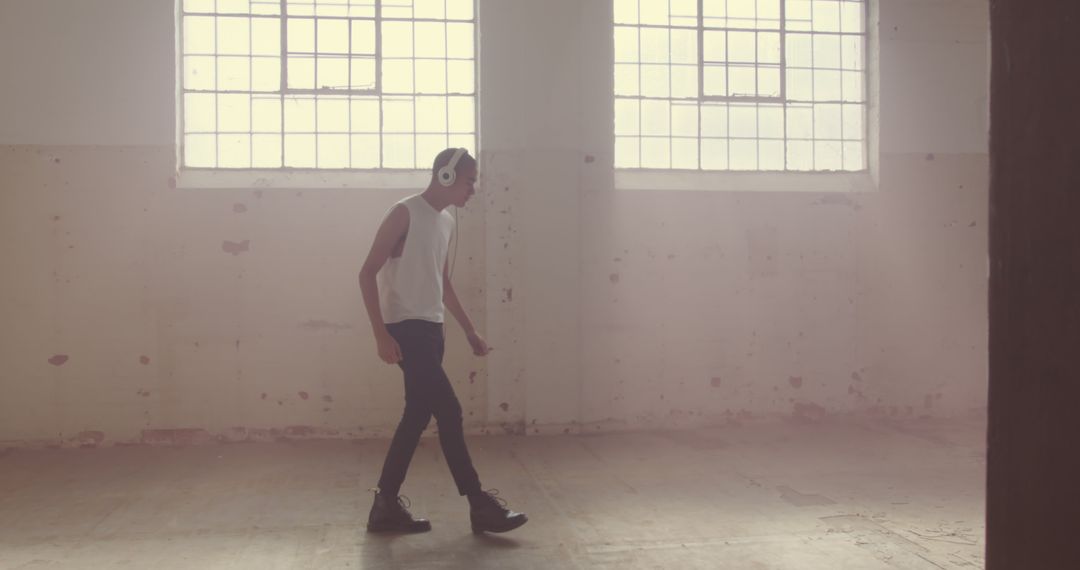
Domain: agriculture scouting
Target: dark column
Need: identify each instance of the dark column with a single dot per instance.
(1033, 489)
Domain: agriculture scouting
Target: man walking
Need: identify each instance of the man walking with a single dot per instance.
(406, 288)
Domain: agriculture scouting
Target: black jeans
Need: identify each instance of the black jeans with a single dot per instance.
(427, 393)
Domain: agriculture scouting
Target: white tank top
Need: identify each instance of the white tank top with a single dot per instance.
(411, 286)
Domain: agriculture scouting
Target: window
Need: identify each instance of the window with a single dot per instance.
(741, 85)
(325, 84)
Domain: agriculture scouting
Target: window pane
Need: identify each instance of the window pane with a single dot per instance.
(266, 151)
(299, 115)
(364, 115)
(430, 145)
(742, 47)
(431, 76)
(771, 121)
(460, 78)
(684, 153)
(715, 77)
(199, 73)
(827, 155)
(714, 121)
(853, 156)
(301, 35)
(799, 50)
(626, 152)
(800, 155)
(654, 45)
(715, 46)
(744, 154)
(684, 120)
(626, 117)
(363, 37)
(626, 79)
(626, 44)
(333, 36)
(431, 116)
(800, 122)
(397, 76)
(743, 81)
(768, 48)
(333, 151)
(459, 10)
(432, 9)
(265, 114)
(462, 115)
(333, 72)
(333, 115)
(684, 81)
(200, 151)
(684, 46)
(398, 116)
(771, 155)
(266, 74)
(827, 51)
(200, 112)
(714, 154)
(365, 151)
(398, 151)
(234, 112)
(363, 73)
(300, 151)
(626, 11)
(826, 16)
(655, 153)
(265, 36)
(655, 80)
(827, 86)
(430, 39)
(199, 35)
(744, 121)
(655, 117)
(301, 72)
(234, 151)
(397, 39)
(828, 121)
(234, 73)
(459, 41)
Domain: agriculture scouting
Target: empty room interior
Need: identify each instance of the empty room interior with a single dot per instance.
(726, 260)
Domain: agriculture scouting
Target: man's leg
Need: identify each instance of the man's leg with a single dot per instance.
(488, 513)
(389, 512)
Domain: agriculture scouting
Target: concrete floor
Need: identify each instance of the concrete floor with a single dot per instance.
(776, 496)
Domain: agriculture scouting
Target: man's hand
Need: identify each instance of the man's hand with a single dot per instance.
(478, 344)
(389, 351)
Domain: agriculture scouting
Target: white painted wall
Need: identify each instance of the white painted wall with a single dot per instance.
(607, 308)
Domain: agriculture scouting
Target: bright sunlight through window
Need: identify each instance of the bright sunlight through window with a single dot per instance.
(326, 84)
(743, 85)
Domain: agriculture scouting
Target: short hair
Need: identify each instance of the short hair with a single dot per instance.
(444, 157)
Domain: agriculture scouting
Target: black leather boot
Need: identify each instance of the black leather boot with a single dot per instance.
(391, 514)
(488, 513)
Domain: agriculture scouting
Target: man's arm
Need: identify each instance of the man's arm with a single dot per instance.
(390, 233)
(450, 299)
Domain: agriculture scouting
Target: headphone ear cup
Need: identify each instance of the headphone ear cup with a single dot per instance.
(447, 176)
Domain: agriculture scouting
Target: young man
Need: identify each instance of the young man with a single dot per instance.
(406, 288)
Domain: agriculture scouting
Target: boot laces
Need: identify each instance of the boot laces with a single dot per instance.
(493, 496)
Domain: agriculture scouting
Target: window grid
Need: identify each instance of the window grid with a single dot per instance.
(827, 101)
(236, 102)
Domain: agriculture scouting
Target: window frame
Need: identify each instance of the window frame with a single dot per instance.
(865, 180)
(315, 177)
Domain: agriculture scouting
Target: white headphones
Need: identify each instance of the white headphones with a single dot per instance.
(447, 174)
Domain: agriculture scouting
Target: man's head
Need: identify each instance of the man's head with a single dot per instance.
(456, 179)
